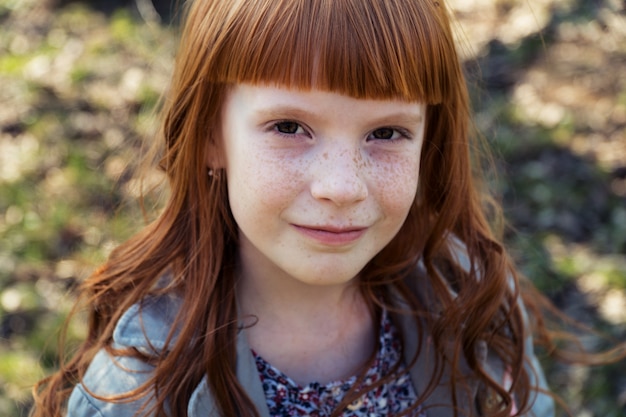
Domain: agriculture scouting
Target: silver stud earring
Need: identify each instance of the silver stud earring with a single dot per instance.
(210, 172)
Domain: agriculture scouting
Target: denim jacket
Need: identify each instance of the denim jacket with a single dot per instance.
(146, 327)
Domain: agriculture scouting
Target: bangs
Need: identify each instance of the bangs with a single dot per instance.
(362, 48)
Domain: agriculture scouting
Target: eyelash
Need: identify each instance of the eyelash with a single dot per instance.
(403, 133)
(275, 127)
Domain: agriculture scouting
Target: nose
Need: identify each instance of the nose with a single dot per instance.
(339, 177)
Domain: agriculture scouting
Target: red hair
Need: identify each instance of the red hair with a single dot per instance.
(361, 48)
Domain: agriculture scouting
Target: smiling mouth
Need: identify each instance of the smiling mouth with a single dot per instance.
(332, 236)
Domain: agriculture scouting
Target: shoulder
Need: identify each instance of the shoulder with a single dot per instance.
(145, 327)
(542, 405)
(148, 324)
(106, 379)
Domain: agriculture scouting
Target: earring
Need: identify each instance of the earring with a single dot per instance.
(213, 173)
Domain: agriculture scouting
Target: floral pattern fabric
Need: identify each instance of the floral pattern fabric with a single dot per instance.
(285, 398)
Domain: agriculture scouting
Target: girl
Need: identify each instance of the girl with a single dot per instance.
(324, 249)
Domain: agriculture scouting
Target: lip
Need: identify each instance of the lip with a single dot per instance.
(332, 235)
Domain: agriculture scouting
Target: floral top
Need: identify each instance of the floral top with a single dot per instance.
(285, 398)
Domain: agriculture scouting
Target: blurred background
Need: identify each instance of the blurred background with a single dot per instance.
(78, 84)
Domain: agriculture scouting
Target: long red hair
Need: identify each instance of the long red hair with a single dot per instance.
(362, 48)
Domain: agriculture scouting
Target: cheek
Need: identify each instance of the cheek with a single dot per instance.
(263, 180)
(397, 182)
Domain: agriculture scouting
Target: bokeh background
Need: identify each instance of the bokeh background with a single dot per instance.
(78, 84)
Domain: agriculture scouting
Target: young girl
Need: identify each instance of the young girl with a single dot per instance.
(324, 250)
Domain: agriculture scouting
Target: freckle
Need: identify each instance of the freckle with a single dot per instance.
(325, 155)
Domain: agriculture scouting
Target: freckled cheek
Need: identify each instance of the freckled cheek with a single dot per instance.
(271, 180)
(396, 184)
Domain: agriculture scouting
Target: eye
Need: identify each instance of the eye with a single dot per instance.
(383, 133)
(288, 128)
(387, 133)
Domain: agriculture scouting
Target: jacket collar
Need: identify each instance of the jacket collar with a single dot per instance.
(439, 401)
(202, 403)
(437, 404)
(146, 326)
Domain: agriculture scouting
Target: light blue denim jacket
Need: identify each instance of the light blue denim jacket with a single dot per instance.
(147, 327)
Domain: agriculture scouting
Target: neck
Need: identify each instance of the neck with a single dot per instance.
(270, 298)
(311, 333)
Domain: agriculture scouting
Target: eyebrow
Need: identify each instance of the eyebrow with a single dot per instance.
(284, 111)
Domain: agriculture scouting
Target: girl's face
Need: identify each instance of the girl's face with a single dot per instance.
(318, 182)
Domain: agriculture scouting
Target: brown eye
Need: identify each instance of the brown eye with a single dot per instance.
(288, 128)
(383, 133)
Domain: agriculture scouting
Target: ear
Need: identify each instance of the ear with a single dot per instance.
(214, 157)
